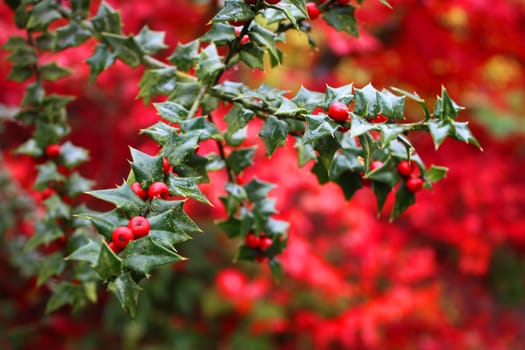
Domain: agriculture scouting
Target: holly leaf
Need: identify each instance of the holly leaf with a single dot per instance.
(265, 38)
(240, 159)
(274, 134)
(108, 264)
(171, 111)
(305, 152)
(276, 268)
(184, 222)
(349, 182)
(104, 222)
(220, 34)
(342, 18)
(122, 197)
(186, 187)
(127, 292)
(126, 48)
(252, 55)
(47, 173)
(360, 126)
(234, 10)
(209, 65)
(42, 14)
(381, 191)
(179, 147)
(309, 100)
(446, 108)
(237, 119)
(436, 173)
(150, 41)
(70, 35)
(404, 199)
(144, 255)
(366, 104)
(257, 190)
(101, 60)
(185, 55)
(155, 82)
(72, 155)
(147, 169)
(341, 94)
(439, 130)
(318, 126)
(52, 72)
(45, 233)
(391, 105)
(50, 265)
(462, 132)
(107, 20)
(88, 253)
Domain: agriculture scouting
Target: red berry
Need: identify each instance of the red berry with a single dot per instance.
(158, 190)
(266, 242)
(261, 259)
(273, 2)
(313, 10)
(376, 164)
(405, 168)
(338, 111)
(140, 226)
(53, 150)
(113, 247)
(236, 23)
(165, 165)
(139, 191)
(414, 184)
(365, 182)
(245, 39)
(379, 119)
(48, 192)
(121, 236)
(252, 241)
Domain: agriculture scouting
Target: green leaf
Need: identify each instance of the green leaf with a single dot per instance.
(88, 253)
(70, 35)
(321, 173)
(210, 64)
(327, 146)
(366, 104)
(108, 264)
(150, 41)
(107, 20)
(220, 34)
(439, 130)
(179, 147)
(318, 126)
(171, 111)
(240, 159)
(436, 173)
(202, 127)
(30, 148)
(391, 105)
(185, 93)
(390, 132)
(386, 174)
(80, 8)
(232, 227)
(47, 173)
(20, 73)
(265, 38)
(301, 5)
(42, 14)
(104, 222)
(194, 166)
(236, 10)
(360, 126)
(125, 48)
(305, 152)
(404, 199)
(164, 228)
(102, 59)
(276, 268)
(15, 42)
(50, 265)
(257, 190)
(123, 197)
(160, 132)
(155, 82)
(22, 56)
(147, 169)
(185, 56)
(236, 194)
(274, 134)
(342, 18)
(186, 187)
(341, 94)
(53, 72)
(56, 208)
(381, 191)
(72, 155)
(252, 55)
(64, 293)
(446, 108)
(288, 108)
(144, 255)
(309, 100)
(237, 119)
(127, 292)
(45, 233)
(349, 182)
(184, 222)
(76, 184)
(463, 133)
(34, 95)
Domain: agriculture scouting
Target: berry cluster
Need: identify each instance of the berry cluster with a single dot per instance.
(138, 227)
(260, 243)
(410, 172)
(155, 190)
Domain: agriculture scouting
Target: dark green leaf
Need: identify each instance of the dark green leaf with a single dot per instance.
(276, 268)
(436, 173)
(123, 197)
(265, 38)
(147, 169)
(64, 293)
(20, 73)
(404, 199)
(252, 55)
(102, 59)
(240, 159)
(171, 111)
(306, 152)
(366, 104)
(179, 147)
(327, 146)
(56, 208)
(125, 48)
(318, 126)
(236, 10)
(45, 233)
(127, 292)
(34, 95)
(463, 133)
(381, 190)
(107, 19)
(391, 105)
(341, 94)
(210, 64)
(70, 35)
(42, 14)
(349, 182)
(108, 264)
(185, 93)
(360, 126)
(220, 34)
(50, 265)
(232, 227)
(446, 108)
(342, 18)
(186, 187)
(257, 190)
(439, 130)
(47, 173)
(105, 222)
(88, 253)
(274, 134)
(144, 255)
(309, 100)
(184, 222)
(157, 82)
(150, 41)
(72, 155)
(288, 108)
(185, 55)
(237, 119)
(76, 184)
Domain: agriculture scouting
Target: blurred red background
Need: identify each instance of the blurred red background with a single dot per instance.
(447, 274)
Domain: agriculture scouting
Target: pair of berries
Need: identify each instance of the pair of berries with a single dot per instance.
(138, 227)
(262, 243)
(155, 190)
(408, 170)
